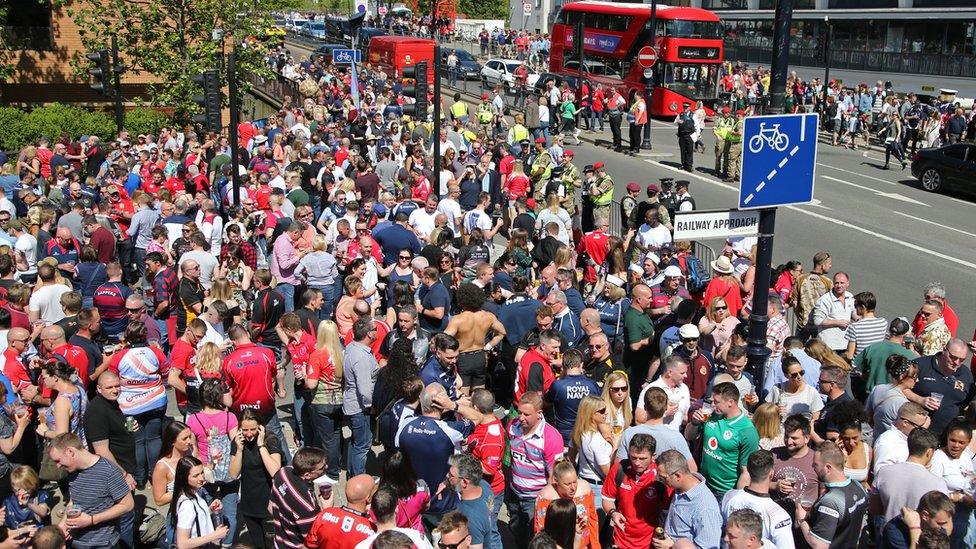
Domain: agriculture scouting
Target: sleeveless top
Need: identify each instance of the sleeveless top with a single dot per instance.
(395, 276)
(859, 475)
(79, 403)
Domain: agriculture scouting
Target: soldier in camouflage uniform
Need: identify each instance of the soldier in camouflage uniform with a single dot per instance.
(601, 192)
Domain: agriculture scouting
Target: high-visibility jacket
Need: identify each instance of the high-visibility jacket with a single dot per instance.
(722, 127)
(606, 197)
(485, 113)
(459, 109)
(737, 127)
(519, 132)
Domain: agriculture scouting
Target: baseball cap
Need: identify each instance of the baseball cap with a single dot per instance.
(484, 96)
(633, 187)
(689, 331)
(673, 271)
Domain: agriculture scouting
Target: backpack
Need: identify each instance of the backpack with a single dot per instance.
(221, 443)
(698, 275)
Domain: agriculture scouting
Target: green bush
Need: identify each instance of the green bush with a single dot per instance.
(22, 128)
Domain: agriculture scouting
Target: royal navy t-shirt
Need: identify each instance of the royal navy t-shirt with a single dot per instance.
(565, 394)
(429, 442)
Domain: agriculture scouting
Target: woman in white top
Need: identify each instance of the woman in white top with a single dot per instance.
(554, 212)
(616, 395)
(190, 512)
(954, 463)
(794, 396)
(717, 326)
(591, 442)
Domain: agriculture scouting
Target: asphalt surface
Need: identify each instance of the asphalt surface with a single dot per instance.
(879, 226)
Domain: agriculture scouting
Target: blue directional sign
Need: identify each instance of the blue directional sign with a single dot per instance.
(346, 56)
(779, 158)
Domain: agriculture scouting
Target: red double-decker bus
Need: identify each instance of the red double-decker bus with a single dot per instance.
(688, 41)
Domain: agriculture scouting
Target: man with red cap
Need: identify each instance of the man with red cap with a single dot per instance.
(485, 114)
(601, 192)
(541, 170)
(723, 125)
(628, 205)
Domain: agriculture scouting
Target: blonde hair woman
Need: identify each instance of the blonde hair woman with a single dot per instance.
(323, 378)
(222, 290)
(209, 360)
(591, 443)
(825, 355)
(616, 395)
(769, 425)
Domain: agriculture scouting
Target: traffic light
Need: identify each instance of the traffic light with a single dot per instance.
(418, 91)
(101, 72)
(210, 101)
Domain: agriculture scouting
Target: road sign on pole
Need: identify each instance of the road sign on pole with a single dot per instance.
(702, 225)
(526, 8)
(779, 159)
(382, 10)
(647, 57)
(346, 56)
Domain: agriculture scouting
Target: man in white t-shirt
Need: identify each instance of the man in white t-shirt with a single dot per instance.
(45, 303)
(423, 220)
(26, 246)
(672, 381)
(450, 207)
(652, 234)
(478, 218)
(777, 524)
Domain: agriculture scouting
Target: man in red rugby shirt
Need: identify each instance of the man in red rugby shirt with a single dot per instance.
(487, 443)
(300, 345)
(53, 342)
(344, 527)
(183, 375)
(13, 368)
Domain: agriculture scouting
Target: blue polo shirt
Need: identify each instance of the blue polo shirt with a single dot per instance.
(956, 389)
(518, 317)
(395, 238)
(575, 301)
(429, 442)
(565, 394)
(435, 296)
(433, 372)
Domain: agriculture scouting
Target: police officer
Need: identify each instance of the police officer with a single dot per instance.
(485, 114)
(459, 110)
(686, 128)
(722, 126)
(734, 139)
(667, 196)
(601, 192)
(518, 132)
(586, 214)
(541, 172)
(684, 201)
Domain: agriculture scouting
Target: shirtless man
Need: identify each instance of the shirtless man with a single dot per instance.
(471, 327)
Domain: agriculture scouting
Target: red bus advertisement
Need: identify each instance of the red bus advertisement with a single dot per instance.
(688, 40)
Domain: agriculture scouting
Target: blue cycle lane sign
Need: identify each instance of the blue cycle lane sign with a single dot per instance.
(779, 159)
(346, 56)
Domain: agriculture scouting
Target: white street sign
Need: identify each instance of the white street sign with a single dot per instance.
(715, 224)
(526, 8)
(648, 73)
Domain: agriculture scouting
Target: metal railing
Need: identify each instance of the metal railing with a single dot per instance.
(702, 251)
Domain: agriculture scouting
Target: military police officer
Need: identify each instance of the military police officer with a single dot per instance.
(722, 126)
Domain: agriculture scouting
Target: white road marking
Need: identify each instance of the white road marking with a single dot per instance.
(845, 224)
(923, 220)
(772, 174)
(796, 149)
(803, 129)
(894, 196)
(783, 162)
(857, 174)
(761, 185)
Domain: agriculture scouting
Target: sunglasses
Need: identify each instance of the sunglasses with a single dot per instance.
(442, 545)
(799, 374)
(618, 389)
(601, 411)
(722, 308)
(134, 310)
(407, 257)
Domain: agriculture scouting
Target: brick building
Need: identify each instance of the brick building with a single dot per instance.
(42, 41)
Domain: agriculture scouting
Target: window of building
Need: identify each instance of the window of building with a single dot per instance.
(27, 25)
(960, 38)
(943, 3)
(725, 4)
(861, 4)
(797, 4)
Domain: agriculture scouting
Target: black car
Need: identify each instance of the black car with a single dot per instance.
(952, 167)
(558, 79)
(468, 66)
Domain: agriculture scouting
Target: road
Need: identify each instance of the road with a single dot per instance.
(890, 236)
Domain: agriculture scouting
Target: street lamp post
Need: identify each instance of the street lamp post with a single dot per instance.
(649, 85)
(829, 32)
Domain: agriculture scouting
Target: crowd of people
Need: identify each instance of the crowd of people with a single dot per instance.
(484, 337)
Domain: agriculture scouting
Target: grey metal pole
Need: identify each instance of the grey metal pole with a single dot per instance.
(235, 120)
(829, 32)
(757, 350)
(649, 86)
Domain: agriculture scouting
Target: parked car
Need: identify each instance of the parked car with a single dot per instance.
(294, 25)
(315, 29)
(502, 71)
(952, 167)
(469, 67)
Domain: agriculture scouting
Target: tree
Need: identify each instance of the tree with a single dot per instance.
(484, 9)
(171, 40)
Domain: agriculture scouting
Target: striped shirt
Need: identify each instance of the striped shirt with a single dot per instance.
(533, 455)
(293, 507)
(866, 331)
(139, 369)
(96, 489)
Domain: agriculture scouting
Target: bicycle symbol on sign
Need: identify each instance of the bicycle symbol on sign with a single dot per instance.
(771, 136)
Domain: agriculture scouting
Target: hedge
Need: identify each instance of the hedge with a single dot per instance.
(20, 128)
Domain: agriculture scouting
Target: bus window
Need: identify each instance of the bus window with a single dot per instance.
(694, 81)
(692, 29)
(599, 65)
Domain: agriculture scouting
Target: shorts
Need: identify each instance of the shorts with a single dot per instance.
(473, 367)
